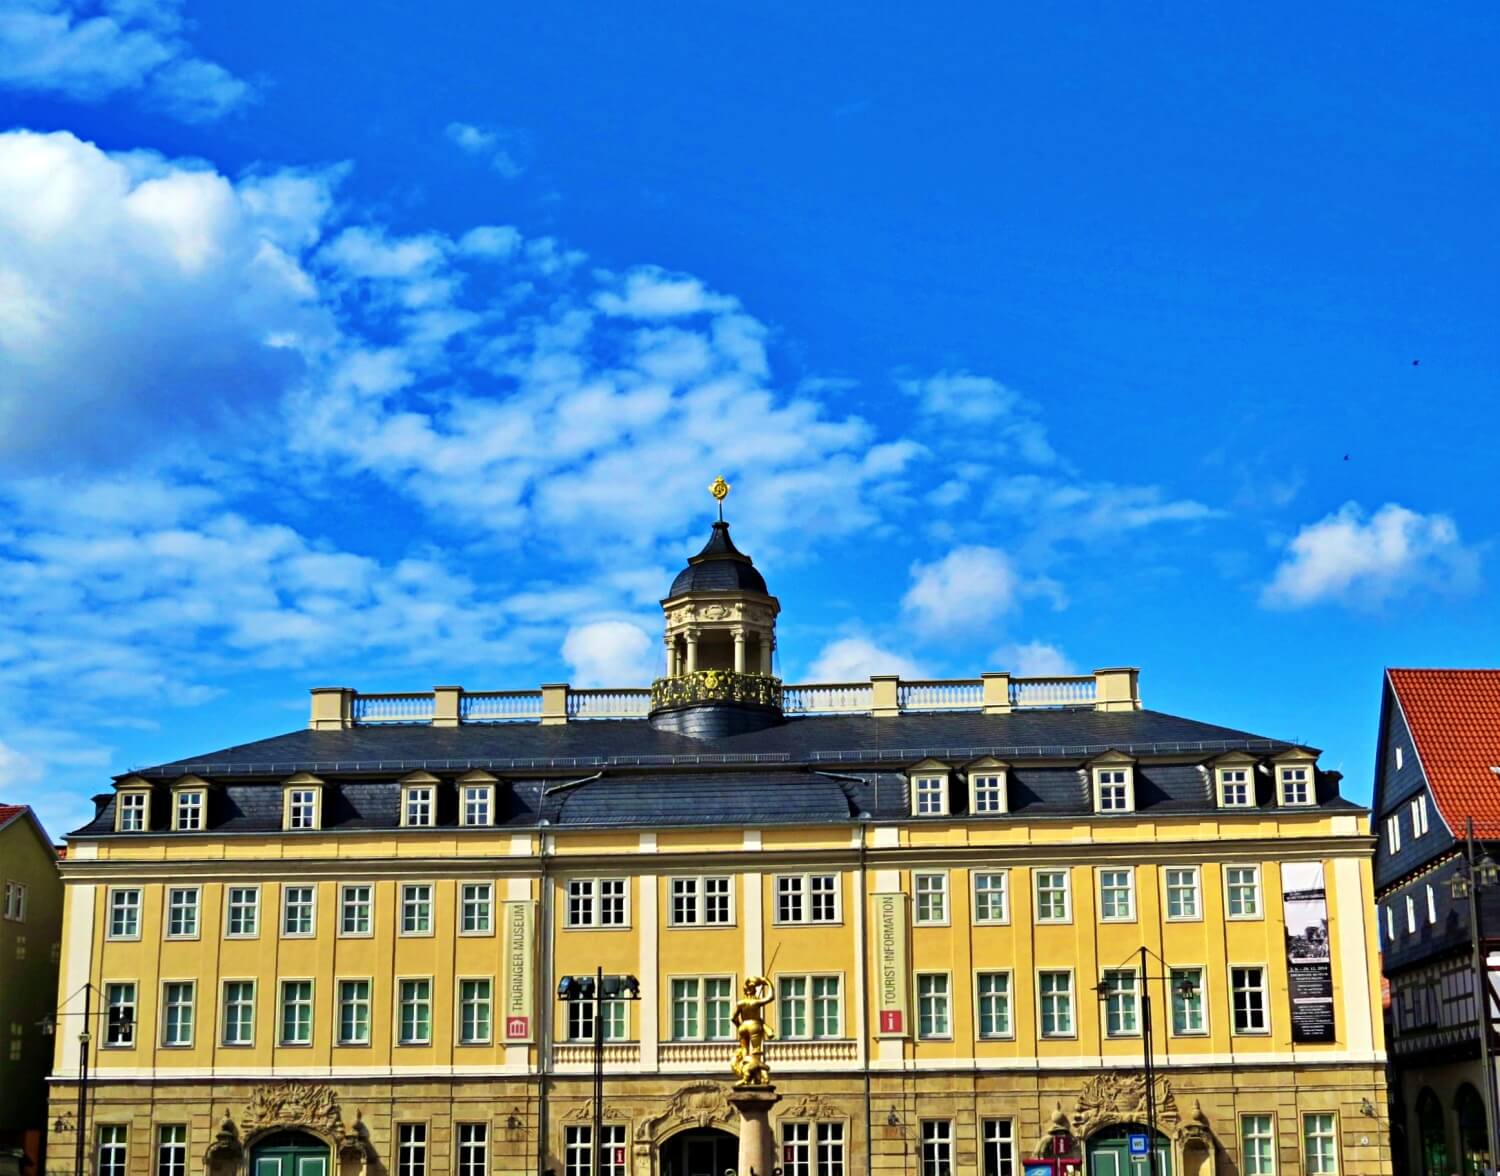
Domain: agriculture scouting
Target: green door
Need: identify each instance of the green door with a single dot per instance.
(290, 1153)
(1109, 1153)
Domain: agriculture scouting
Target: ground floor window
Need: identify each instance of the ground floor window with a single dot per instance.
(473, 1149)
(411, 1149)
(1257, 1146)
(1473, 1136)
(937, 1147)
(998, 1140)
(171, 1150)
(577, 1144)
(1319, 1146)
(812, 1149)
(1431, 1135)
(112, 1149)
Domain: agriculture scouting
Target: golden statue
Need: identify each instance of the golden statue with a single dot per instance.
(750, 1016)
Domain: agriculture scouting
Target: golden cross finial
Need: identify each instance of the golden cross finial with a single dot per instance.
(719, 488)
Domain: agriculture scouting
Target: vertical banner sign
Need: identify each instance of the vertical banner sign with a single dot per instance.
(1309, 970)
(519, 925)
(891, 981)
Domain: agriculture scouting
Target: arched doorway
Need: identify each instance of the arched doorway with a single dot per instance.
(1431, 1136)
(1108, 1152)
(1473, 1135)
(698, 1151)
(289, 1153)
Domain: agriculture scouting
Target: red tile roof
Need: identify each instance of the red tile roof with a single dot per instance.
(1454, 717)
(7, 811)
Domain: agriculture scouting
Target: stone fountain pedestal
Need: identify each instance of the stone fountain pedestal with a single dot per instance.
(757, 1143)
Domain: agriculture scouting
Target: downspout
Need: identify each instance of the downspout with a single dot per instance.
(544, 995)
(864, 965)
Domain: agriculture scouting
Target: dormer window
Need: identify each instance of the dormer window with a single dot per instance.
(418, 805)
(476, 799)
(1236, 787)
(929, 795)
(189, 809)
(1296, 785)
(132, 812)
(987, 787)
(302, 802)
(1114, 790)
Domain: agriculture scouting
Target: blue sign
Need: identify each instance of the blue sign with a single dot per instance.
(1038, 1170)
(1138, 1145)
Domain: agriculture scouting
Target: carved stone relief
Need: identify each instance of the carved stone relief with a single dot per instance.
(1110, 1099)
(699, 1104)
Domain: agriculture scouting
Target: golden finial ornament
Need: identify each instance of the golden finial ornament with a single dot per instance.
(719, 488)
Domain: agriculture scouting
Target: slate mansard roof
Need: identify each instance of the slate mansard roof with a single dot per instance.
(807, 770)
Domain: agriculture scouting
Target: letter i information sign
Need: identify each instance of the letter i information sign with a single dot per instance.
(893, 1014)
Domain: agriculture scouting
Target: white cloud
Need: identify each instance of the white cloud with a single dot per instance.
(854, 659)
(968, 588)
(649, 292)
(137, 294)
(987, 410)
(611, 653)
(1349, 559)
(91, 52)
(497, 147)
(1033, 659)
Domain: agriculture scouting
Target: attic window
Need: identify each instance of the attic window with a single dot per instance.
(477, 804)
(1114, 790)
(188, 807)
(132, 813)
(929, 796)
(418, 805)
(1296, 785)
(1235, 788)
(987, 791)
(302, 807)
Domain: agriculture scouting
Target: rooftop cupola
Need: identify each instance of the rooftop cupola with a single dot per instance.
(720, 638)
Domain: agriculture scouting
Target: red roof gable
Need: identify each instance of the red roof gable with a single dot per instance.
(7, 811)
(1454, 718)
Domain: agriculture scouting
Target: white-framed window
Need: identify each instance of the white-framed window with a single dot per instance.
(476, 999)
(414, 1012)
(354, 1012)
(416, 908)
(182, 912)
(807, 898)
(1187, 1002)
(1242, 892)
(242, 912)
(810, 1007)
(15, 901)
(937, 1147)
(1257, 1145)
(411, 1149)
(812, 1149)
(1390, 923)
(1296, 785)
(298, 911)
(1117, 894)
(992, 897)
(111, 1152)
(119, 1014)
(171, 1150)
(1247, 990)
(177, 1000)
(1236, 788)
(1411, 915)
(1393, 833)
(238, 1023)
(1400, 759)
(1054, 903)
(597, 902)
(931, 906)
(473, 1149)
(296, 1012)
(1320, 1145)
(701, 902)
(125, 913)
(1114, 790)
(1183, 893)
(188, 808)
(993, 995)
(581, 1020)
(1055, 993)
(132, 814)
(477, 804)
(701, 1008)
(476, 908)
(1122, 1003)
(934, 1004)
(929, 796)
(578, 1146)
(418, 805)
(356, 909)
(302, 808)
(1431, 904)
(987, 792)
(997, 1138)
(1419, 816)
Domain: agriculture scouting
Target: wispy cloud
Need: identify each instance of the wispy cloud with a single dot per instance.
(503, 150)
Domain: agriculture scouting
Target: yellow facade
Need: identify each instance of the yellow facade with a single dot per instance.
(880, 1089)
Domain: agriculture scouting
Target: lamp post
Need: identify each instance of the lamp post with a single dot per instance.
(598, 989)
(1187, 989)
(1476, 874)
(48, 1025)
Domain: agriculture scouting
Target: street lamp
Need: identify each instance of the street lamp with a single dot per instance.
(1473, 875)
(118, 1018)
(597, 989)
(1187, 990)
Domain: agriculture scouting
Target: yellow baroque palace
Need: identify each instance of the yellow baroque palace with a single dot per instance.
(338, 950)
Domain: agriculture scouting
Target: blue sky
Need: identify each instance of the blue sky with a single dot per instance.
(399, 350)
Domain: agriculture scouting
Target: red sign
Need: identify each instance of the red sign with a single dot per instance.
(619, 1157)
(517, 1027)
(890, 1020)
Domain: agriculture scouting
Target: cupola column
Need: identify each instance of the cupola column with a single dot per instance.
(767, 644)
(739, 651)
(692, 651)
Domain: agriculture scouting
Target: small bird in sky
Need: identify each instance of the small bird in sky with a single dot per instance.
(1415, 362)
(1346, 457)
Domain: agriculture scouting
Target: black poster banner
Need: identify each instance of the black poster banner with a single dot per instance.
(1309, 969)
